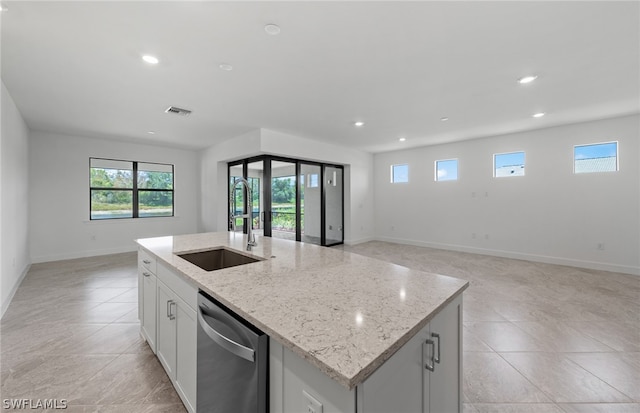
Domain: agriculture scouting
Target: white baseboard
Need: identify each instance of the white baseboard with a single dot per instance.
(593, 265)
(7, 301)
(359, 240)
(84, 254)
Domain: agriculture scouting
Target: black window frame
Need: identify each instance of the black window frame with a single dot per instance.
(134, 190)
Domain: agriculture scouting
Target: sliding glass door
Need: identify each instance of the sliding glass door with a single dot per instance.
(283, 200)
(292, 199)
(333, 206)
(310, 203)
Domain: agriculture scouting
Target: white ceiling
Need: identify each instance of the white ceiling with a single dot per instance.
(76, 68)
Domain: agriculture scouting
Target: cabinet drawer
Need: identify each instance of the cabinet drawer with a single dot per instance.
(146, 260)
(187, 292)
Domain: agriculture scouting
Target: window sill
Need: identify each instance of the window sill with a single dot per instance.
(112, 221)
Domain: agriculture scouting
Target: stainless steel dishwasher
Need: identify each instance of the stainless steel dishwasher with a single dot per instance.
(233, 361)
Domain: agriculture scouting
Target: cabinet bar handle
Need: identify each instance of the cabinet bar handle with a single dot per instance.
(169, 314)
(428, 343)
(437, 358)
(173, 314)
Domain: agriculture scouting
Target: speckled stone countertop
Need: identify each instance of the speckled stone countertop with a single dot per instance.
(344, 313)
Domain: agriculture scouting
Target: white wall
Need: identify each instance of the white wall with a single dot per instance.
(358, 177)
(14, 202)
(59, 180)
(213, 168)
(549, 215)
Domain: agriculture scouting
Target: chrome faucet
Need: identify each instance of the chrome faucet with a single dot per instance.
(251, 238)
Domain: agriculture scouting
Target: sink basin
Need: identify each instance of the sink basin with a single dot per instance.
(217, 259)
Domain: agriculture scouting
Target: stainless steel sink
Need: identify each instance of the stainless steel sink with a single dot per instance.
(217, 259)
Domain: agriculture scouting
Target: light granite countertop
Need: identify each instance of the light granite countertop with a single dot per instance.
(344, 313)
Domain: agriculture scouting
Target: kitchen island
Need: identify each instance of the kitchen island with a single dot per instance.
(333, 318)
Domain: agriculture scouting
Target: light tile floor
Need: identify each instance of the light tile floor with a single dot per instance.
(538, 338)
(71, 332)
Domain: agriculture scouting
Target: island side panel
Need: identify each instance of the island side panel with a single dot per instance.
(425, 375)
(293, 378)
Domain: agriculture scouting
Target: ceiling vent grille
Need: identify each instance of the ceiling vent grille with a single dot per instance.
(178, 111)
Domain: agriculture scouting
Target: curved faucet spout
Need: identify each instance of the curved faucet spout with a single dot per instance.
(251, 239)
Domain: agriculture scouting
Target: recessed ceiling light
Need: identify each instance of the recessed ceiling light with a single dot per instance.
(402, 139)
(444, 119)
(226, 66)
(3, 7)
(538, 115)
(150, 59)
(272, 29)
(151, 132)
(527, 79)
(358, 123)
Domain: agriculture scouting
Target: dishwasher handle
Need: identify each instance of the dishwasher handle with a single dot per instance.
(225, 342)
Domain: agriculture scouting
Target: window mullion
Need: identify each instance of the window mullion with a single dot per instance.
(135, 189)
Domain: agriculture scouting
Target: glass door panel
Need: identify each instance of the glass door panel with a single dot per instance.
(310, 203)
(333, 205)
(256, 181)
(236, 206)
(283, 200)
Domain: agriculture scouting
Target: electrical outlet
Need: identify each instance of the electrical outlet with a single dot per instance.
(313, 405)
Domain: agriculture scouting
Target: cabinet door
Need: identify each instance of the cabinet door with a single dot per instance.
(445, 392)
(149, 308)
(166, 337)
(186, 327)
(397, 385)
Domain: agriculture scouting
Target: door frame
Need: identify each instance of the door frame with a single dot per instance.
(266, 193)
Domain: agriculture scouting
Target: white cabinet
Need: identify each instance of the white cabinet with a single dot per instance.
(167, 333)
(177, 334)
(186, 351)
(445, 386)
(168, 323)
(403, 384)
(177, 343)
(425, 374)
(147, 298)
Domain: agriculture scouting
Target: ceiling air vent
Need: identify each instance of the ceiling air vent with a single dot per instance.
(178, 111)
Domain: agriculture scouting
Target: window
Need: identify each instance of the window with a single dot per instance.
(599, 157)
(508, 164)
(129, 189)
(255, 200)
(399, 173)
(447, 170)
(313, 181)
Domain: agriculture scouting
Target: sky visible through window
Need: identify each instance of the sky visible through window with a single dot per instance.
(447, 170)
(399, 173)
(509, 159)
(602, 150)
(508, 164)
(599, 157)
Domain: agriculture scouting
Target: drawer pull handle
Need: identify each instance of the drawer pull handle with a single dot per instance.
(146, 274)
(437, 337)
(428, 343)
(169, 313)
(146, 262)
